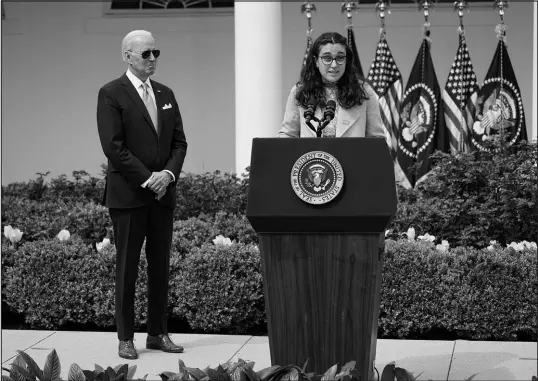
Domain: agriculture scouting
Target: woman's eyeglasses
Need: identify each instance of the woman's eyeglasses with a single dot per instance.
(328, 60)
(146, 53)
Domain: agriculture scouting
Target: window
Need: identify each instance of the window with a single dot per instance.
(170, 4)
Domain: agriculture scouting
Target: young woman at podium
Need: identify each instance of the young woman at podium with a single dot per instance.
(330, 99)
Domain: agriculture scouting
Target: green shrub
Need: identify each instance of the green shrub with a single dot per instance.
(45, 219)
(82, 188)
(37, 220)
(219, 288)
(89, 221)
(196, 231)
(210, 193)
(191, 233)
(54, 283)
(470, 293)
(478, 294)
(236, 227)
(470, 201)
(499, 294)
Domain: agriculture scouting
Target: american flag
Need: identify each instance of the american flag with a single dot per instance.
(386, 79)
(460, 97)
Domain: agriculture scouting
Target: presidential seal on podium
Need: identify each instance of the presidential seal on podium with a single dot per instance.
(317, 177)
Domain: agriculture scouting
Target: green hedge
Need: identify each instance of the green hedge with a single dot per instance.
(470, 201)
(219, 288)
(466, 200)
(475, 294)
(44, 219)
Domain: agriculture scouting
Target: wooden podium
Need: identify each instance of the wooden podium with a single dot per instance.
(322, 263)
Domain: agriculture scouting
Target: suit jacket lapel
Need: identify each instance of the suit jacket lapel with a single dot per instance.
(135, 97)
(347, 117)
(159, 104)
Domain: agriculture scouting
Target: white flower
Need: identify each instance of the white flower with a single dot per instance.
(410, 234)
(387, 232)
(427, 237)
(63, 235)
(101, 245)
(14, 235)
(492, 245)
(529, 245)
(443, 247)
(516, 246)
(220, 240)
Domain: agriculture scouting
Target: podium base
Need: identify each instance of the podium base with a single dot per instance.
(322, 296)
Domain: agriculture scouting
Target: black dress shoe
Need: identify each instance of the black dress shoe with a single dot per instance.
(127, 350)
(163, 343)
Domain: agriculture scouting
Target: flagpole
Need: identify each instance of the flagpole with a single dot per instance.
(348, 7)
(501, 35)
(425, 5)
(461, 5)
(381, 6)
(308, 8)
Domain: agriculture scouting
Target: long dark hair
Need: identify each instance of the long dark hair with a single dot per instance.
(350, 86)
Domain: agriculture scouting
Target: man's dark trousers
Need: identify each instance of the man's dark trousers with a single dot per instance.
(155, 223)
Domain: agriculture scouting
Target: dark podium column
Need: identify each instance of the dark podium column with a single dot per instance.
(322, 263)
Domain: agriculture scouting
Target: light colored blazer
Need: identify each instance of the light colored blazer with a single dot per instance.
(357, 121)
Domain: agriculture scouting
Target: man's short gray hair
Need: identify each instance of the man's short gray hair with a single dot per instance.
(129, 37)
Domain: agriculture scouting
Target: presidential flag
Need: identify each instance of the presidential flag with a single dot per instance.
(499, 112)
(386, 80)
(460, 99)
(422, 127)
(353, 47)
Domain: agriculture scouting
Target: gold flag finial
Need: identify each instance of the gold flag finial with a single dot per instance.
(500, 5)
(460, 6)
(500, 29)
(426, 5)
(349, 7)
(382, 6)
(308, 8)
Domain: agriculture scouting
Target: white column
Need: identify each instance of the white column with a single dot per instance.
(534, 134)
(258, 75)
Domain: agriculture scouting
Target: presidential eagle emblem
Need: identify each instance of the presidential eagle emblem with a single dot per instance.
(317, 177)
(499, 113)
(418, 118)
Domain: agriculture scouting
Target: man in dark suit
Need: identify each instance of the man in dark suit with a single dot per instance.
(142, 136)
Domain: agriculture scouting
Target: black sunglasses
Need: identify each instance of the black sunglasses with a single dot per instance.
(146, 53)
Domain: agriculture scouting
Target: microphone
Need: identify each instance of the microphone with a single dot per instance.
(310, 110)
(330, 109)
(328, 115)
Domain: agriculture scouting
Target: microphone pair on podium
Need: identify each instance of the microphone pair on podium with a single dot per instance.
(328, 115)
